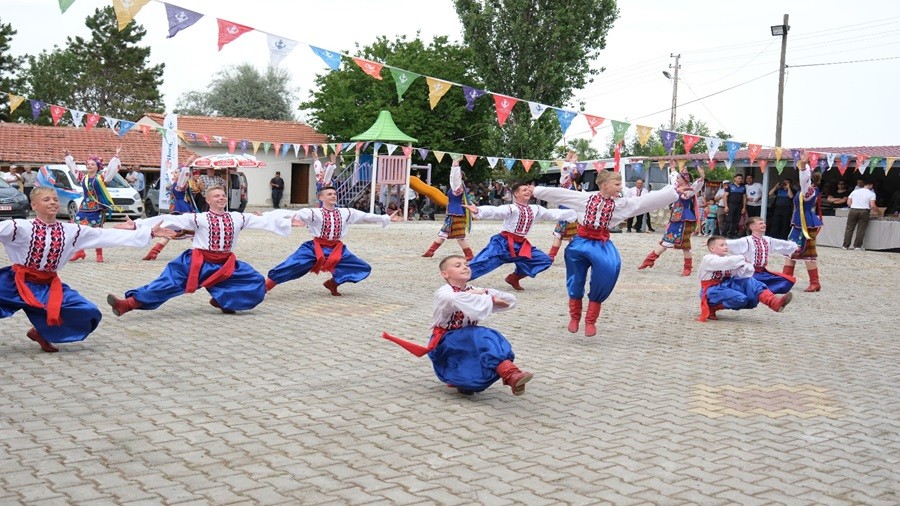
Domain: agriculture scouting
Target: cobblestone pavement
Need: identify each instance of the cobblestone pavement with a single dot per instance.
(300, 401)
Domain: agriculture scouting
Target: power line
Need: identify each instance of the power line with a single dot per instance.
(843, 62)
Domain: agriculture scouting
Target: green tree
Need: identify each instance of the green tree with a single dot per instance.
(9, 67)
(243, 91)
(536, 50)
(345, 103)
(44, 81)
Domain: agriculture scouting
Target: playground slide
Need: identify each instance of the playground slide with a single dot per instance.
(436, 196)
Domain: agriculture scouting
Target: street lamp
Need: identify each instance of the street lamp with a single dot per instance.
(777, 31)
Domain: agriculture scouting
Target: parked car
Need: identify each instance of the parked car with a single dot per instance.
(237, 198)
(122, 193)
(13, 203)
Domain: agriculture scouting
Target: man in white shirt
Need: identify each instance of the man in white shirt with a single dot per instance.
(754, 197)
(136, 179)
(13, 178)
(862, 205)
(637, 191)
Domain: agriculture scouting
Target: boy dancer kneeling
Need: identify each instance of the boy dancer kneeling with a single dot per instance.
(464, 354)
(726, 282)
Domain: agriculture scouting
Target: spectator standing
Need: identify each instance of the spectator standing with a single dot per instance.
(211, 179)
(754, 197)
(136, 179)
(782, 208)
(277, 185)
(28, 178)
(637, 191)
(735, 206)
(13, 177)
(838, 199)
(862, 205)
(719, 199)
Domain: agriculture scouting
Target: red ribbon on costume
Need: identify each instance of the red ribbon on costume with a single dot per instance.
(790, 278)
(512, 239)
(323, 264)
(601, 234)
(55, 297)
(704, 304)
(224, 258)
(437, 333)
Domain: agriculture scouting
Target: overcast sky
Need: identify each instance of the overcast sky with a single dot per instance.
(722, 45)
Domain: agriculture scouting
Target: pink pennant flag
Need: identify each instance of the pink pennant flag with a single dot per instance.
(56, 112)
(504, 106)
(228, 31)
(205, 138)
(370, 67)
(712, 165)
(813, 159)
(277, 147)
(232, 143)
(306, 150)
(145, 129)
(594, 122)
(762, 165)
(527, 164)
(842, 164)
(91, 121)
(471, 159)
(689, 141)
(336, 147)
(600, 165)
(407, 151)
(754, 150)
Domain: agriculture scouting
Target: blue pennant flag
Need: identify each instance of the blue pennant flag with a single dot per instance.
(509, 162)
(581, 167)
(332, 59)
(244, 145)
(845, 159)
(284, 148)
(377, 147)
(125, 126)
(638, 168)
(180, 18)
(732, 147)
(36, 107)
(423, 153)
(565, 119)
(471, 95)
(668, 139)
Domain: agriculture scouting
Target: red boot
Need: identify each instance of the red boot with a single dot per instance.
(121, 306)
(79, 255)
(788, 269)
(553, 251)
(270, 285)
(99, 255)
(574, 314)
(332, 287)
(468, 253)
(513, 280)
(688, 265)
(712, 311)
(648, 262)
(590, 319)
(214, 303)
(513, 377)
(45, 346)
(774, 302)
(814, 285)
(430, 253)
(154, 252)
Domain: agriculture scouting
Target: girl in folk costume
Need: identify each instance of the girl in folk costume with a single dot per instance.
(682, 223)
(511, 244)
(211, 264)
(38, 249)
(458, 220)
(805, 223)
(565, 230)
(97, 201)
(325, 252)
(591, 248)
(755, 249)
(181, 201)
(464, 354)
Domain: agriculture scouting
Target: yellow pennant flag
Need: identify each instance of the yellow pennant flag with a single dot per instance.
(887, 164)
(560, 163)
(439, 155)
(255, 146)
(126, 10)
(644, 134)
(436, 90)
(778, 153)
(680, 164)
(325, 149)
(662, 164)
(14, 102)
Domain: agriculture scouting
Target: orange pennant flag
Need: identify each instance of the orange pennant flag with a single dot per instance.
(689, 141)
(126, 10)
(594, 122)
(145, 129)
(370, 67)
(754, 150)
(527, 164)
(14, 102)
(436, 90)
(471, 159)
(644, 134)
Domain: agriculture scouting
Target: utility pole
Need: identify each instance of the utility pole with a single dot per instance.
(674, 89)
(776, 31)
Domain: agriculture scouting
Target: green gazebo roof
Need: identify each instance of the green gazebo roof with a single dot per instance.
(384, 129)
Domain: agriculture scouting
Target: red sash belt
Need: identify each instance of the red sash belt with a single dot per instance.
(326, 264)
(704, 304)
(512, 239)
(792, 279)
(55, 297)
(601, 234)
(437, 333)
(198, 256)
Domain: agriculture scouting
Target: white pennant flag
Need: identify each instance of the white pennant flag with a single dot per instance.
(536, 110)
(279, 47)
(218, 138)
(76, 117)
(111, 122)
(390, 148)
(728, 163)
(492, 161)
(830, 157)
(297, 150)
(863, 166)
(712, 145)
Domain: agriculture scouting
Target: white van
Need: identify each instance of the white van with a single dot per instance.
(122, 193)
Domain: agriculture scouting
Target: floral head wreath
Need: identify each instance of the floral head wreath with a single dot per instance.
(97, 160)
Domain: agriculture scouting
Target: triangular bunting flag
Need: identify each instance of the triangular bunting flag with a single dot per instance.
(204, 138)
(390, 148)
(180, 18)
(285, 147)
(600, 165)
(266, 146)
(306, 150)
(619, 129)
(509, 162)
(732, 148)
(594, 122)
(423, 153)
(873, 163)
(492, 161)
(36, 106)
(637, 167)
(331, 58)
(779, 165)
(370, 67)
(668, 140)
(232, 143)
(728, 163)
(527, 164)
(888, 162)
(279, 48)
(456, 157)
(255, 145)
(111, 122)
(436, 90)
(126, 10)
(862, 163)
(65, 4)
(296, 150)
(644, 132)
(377, 146)
(407, 151)
(14, 102)
(277, 147)
(712, 146)
(244, 144)
(471, 159)
(762, 164)
(229, 31)
(795, 155)
(217, 138)
(504, 106)
(336, 147)
(778, 151)
(581, 167)
(842, 163)
(680, 164)
(325, 149)
(125, 126)
(712, 164)
(560, 163)
(830, 157)
(545, 164)
(77, 116)
(439, 155)
(402, 79)
(56, 112)
(565, 119)
(536, 110)
(91, 121)
(471, 95)
(753, 150)
(689, 141)
(813, 159)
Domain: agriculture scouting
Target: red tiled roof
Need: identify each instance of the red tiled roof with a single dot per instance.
(769, 154)
(33, 144)
(262, 130)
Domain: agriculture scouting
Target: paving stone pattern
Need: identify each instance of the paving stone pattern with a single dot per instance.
(301, 402)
